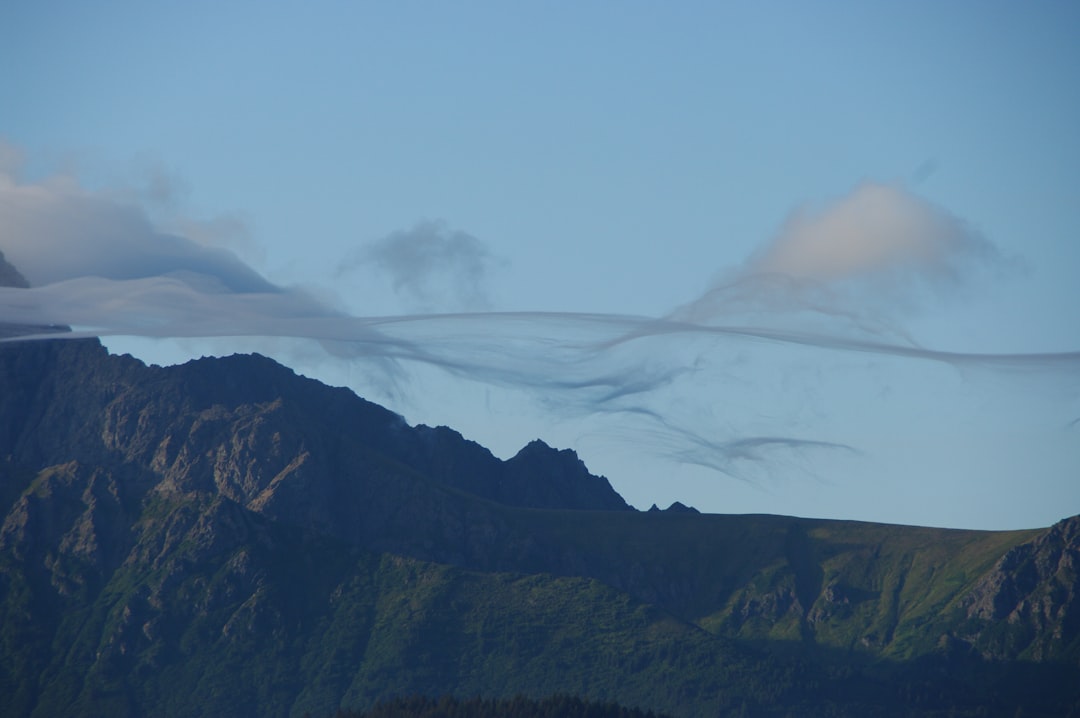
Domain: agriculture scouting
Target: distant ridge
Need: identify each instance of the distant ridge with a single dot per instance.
(677, 507)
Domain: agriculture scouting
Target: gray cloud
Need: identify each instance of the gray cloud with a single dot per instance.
(56, 231)
(159, 191)
(433, 267)
(103, 268)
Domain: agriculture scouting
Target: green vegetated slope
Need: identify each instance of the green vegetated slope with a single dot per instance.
(226, 538)
(879, 589)
(219, 612)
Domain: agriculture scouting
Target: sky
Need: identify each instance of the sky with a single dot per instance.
(816, 259)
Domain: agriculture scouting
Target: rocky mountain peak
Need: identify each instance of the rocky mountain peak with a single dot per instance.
(676, 507)
(553, 478)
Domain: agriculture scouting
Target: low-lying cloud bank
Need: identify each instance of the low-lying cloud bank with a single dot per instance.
(102, 267)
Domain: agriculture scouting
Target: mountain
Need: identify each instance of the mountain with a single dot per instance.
(226, 537)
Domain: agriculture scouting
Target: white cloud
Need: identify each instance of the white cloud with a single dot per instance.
(854, 268)
(876, 230)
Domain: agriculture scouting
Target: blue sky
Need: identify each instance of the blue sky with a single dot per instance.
(906, 175)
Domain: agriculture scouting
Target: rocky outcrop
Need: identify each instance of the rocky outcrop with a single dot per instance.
(251, 431)
(244, 426)
(1028, 605)
(70, 516)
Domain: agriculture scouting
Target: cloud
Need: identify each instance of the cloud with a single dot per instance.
(876, 231)
(433, 267)
(11, 161)
(854, 268)
(104, 267)
(157, 190)
(56, 231)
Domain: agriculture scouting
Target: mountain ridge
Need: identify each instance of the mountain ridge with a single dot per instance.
(226, 536)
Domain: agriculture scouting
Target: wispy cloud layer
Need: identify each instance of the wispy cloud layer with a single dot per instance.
(102, 267)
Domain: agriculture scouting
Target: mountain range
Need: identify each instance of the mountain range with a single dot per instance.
(226, 537)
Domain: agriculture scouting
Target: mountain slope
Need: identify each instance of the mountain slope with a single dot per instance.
(228, 537)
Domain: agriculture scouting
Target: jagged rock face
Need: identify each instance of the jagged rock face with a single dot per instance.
(244, 426)
(74, 522)
(1029, 604)
(249, 430)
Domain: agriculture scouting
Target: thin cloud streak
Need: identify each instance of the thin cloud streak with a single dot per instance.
(173, 308)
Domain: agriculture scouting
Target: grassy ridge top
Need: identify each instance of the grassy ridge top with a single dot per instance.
(862, 586)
